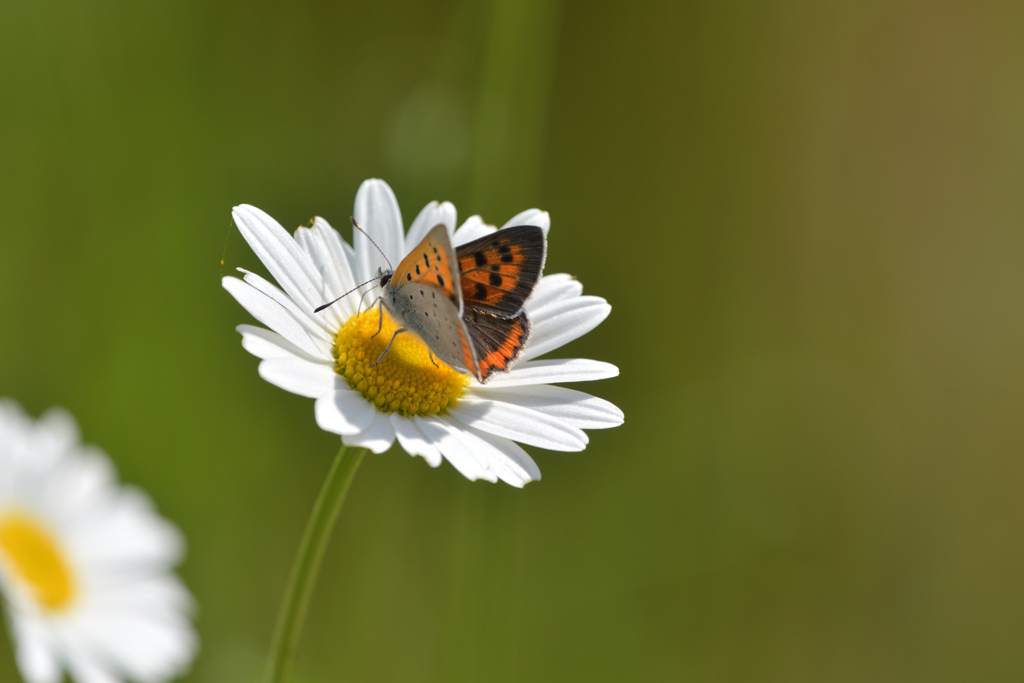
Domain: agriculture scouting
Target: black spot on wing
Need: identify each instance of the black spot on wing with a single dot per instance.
(495, 280)
(481, 292)
(440, 279)
(480, 259)
(523, 246)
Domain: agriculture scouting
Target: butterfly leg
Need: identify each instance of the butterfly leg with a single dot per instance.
(362, 297)
(431, 354)
(380, 322)
(397, 332)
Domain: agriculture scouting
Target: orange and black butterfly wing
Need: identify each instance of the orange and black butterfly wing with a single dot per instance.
(500, 270)
(423, 294)
(498, 342)
(431, 263)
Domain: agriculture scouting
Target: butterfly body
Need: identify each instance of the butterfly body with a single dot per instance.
(467, 304)
(429, 313)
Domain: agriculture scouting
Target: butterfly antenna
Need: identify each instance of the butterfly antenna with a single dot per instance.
(330, 303)
(357, 227)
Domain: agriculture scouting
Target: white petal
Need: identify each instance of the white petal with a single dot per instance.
(81, 483)
(56, 432)
(264, 343)
(304, 237)
(378, 437)
(575, 407)
(312, 322)
(552, 371)
(325, 247)
(298, 376)
(343, 411)
(350, 254)
(130, 619)
(559, 323)
(145, 644)
(445, 435)
(129, 533)
(34, 652)
(412, 440)
(472, 229)
(553, 288)
(525, 425)
(342, 254)
(84, 667)
(377, 213)
(531, 217)
(273, 315)
(508, 460)
(432, 214)
(286, 261)
(160, 596)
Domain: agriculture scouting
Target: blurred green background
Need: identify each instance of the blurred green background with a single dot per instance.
(807, 217)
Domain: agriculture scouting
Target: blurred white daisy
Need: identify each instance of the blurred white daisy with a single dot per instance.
(433, 411)
(84, 563)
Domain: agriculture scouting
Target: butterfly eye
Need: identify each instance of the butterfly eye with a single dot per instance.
(385, 278)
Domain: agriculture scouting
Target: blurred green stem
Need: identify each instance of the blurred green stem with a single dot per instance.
(288, 630)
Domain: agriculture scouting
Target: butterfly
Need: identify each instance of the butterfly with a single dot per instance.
(474, 321)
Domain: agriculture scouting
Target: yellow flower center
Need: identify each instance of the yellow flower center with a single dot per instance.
(406, 381)
(35, 556)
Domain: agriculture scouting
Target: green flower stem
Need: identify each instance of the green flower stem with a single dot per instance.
(288, 630)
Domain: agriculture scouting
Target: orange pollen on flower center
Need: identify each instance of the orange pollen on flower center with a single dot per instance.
(406, 381)
(34, 555)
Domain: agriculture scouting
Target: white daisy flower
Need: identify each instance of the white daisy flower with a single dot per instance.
(84, 563)
(432, 410)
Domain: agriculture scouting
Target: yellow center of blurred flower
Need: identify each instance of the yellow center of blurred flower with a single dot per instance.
(406, 381)
(34, 556)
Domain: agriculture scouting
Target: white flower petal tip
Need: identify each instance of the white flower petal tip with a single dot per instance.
(531, 217)
(278, 318)
(102, 602)
(378, 437)
(413, 441)
(377, 213)
(474, 427)
(474, 228)
(432, 214)
(468, 462)
(281, 254)
(344, 412)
